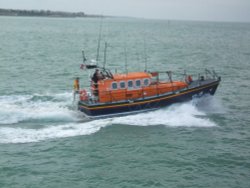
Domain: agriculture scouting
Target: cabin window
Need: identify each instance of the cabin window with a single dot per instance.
(114, 85)
(146, 82)
(122, 85)
(138, 83)
(130, 84)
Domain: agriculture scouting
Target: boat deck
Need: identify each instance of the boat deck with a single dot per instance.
(197, 83)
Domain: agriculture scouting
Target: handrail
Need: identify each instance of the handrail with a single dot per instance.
(212, 73)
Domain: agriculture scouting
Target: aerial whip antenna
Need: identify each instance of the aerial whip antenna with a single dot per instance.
(145, 55)
(126, 58)
(99, 41)
(105, 54)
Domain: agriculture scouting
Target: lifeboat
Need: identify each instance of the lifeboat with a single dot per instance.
(134, 92)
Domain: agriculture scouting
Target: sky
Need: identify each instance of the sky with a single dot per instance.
(204, 10)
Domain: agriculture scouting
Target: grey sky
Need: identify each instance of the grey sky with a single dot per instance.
(213, 10)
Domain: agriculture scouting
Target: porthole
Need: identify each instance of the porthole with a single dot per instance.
(122, 85)
(146, 82)
(138, 83)
(130, 84)
(114, 86)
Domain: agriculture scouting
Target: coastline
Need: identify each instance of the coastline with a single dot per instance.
(44, 13)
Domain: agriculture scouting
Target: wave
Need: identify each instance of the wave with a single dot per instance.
(47, 107)
(22, 135)
(58, 107)
(177, 115)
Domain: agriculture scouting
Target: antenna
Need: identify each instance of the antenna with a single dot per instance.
(105, 54)
(99, 41)
(145, 55)
(126, 59)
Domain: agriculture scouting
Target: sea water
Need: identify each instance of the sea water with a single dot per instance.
(46, 142)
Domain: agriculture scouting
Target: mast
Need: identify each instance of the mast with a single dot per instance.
(99, 42)
(105, 54)
(126, 59)
(145, 55)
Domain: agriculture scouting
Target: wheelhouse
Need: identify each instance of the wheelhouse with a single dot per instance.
(131, 86)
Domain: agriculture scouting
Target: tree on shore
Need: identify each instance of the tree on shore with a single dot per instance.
(45, 13)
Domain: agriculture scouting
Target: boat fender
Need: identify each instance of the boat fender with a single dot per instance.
(83, 95)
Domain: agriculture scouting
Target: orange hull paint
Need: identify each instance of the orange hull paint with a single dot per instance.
(108, 94)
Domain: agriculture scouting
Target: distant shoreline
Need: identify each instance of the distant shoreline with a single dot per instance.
(44, 13)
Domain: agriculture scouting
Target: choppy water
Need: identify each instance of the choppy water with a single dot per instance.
(44, 142)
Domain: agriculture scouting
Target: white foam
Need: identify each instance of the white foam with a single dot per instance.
(186, 115)
(16, 108)
(22, 135)
(19, 108)
(209, 105)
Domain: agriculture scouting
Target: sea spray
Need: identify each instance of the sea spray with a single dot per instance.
(186, 115)
(22, 135)
(69, 124)
(37, 107)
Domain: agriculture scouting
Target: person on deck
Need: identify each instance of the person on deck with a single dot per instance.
(96, 76)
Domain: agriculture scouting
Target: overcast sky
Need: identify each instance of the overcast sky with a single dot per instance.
(212, 10)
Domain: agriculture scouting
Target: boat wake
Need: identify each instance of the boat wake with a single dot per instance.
(178, 115)
(47, 107)
(52, 116)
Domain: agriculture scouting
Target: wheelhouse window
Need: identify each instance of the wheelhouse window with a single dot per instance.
(146, 82)
(114, 86)
(122, 85)
(130, 84)
(138, 83)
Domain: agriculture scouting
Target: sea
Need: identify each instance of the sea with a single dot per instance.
(46, 142)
